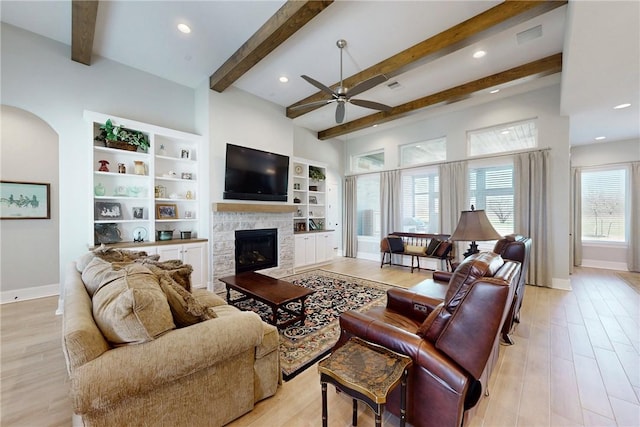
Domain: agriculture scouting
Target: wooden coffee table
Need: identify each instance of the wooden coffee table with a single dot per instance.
(273, 292)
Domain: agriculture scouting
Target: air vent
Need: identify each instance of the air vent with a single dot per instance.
(530, 34)
(394, 85)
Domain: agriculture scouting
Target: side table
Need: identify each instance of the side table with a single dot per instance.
(366, 372)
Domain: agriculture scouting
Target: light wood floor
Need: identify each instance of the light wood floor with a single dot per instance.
(576, 362)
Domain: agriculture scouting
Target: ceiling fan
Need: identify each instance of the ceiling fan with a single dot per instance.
(342, 95)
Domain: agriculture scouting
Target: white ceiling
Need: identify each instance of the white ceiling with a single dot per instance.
(600, 41)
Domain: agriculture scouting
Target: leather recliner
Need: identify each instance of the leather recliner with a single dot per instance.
(450, 341)
(513, 247)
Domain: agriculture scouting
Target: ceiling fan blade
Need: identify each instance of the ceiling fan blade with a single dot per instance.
(367, 84)
(313, 104)
(370, 104)
(340, 112)
(319, 85)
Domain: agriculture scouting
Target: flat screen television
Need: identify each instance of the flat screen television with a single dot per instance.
(252, 174)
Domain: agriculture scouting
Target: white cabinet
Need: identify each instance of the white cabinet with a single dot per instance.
(136, 193)
(194, 254)
(313, 248)
(324, 247)
(305, 249)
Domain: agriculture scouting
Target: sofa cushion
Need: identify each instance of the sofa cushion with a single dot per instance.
(111, 255)
(484, 264)
(98, 273)
(131, 309)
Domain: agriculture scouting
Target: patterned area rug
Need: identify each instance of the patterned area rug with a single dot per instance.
(303, 345)
(631, 279)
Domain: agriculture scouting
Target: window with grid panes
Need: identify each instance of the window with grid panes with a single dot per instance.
(503, 138)
(604, 205)
(433, 150)
(491, 188)
(420, 200)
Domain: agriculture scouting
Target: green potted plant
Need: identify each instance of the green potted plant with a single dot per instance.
(316, 173)
(115, 136)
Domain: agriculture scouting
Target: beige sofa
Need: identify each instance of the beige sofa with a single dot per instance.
(206, 374)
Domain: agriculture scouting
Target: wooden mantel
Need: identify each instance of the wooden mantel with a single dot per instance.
(252, 207)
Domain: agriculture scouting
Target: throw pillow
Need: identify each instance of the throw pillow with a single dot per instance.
(443, 249)
(132, 309)
(186, 310)
(121, 255)
(99, 273)
(414, 249)
(433, 246)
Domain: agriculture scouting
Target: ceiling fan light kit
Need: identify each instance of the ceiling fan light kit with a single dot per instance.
(343, 95)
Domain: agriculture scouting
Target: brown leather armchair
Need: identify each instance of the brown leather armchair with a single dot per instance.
(449, 341)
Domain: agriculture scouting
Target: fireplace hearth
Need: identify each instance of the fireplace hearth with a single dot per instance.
(256, 249)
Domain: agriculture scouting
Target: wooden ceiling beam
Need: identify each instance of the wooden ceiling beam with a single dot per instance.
(292, 16)
(83, 28)
(536, 69)
(490, 22)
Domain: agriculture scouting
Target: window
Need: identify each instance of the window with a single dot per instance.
(491, 188)
(421, 201)
(367, 162)
(604, 205)
(430, 151)
(503, 138)
(368, 205)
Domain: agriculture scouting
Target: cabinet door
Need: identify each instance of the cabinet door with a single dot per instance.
(324, 247)
(305, 250)
(170, 252)
(196, 255)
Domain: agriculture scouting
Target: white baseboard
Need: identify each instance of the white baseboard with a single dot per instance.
(561, 284)
(607, 265)
(29, 293)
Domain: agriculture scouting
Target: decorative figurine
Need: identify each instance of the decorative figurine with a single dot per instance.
(103, 166)
(122, 168)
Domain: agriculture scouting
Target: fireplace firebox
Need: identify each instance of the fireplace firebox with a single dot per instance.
(256, 249)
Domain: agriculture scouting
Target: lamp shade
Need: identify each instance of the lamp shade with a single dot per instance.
(474, 226)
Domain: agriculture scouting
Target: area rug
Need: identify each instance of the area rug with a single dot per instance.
(303, 345)
(631, 279)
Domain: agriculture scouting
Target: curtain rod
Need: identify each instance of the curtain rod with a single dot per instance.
(599, 165)
(512, 153)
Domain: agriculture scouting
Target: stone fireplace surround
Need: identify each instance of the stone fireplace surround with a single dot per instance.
(226, 218)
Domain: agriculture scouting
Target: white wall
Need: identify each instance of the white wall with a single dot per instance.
(240, 118)
(543, 104)
(38, 76)
(28, 243)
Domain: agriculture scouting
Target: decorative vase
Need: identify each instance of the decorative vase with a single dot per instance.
(99, 190)
(103, 166)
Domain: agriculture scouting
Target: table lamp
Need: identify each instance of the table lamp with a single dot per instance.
(474, 226)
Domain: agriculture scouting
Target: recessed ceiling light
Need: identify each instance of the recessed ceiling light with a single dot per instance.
(479, 54)
(184, 28)
(374, 126)
(283, 79)
(621, 106)
(504, 132)
(600, 138)
(495, 91)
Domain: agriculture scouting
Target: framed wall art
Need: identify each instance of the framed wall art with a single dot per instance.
(25, 200)
(108, 211)
(167, 211)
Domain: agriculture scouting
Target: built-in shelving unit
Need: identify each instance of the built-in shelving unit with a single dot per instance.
(141, 193)
(309, 196)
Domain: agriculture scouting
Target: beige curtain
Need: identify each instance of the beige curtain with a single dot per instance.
(350, 217)
(576, 215)
(390, 202)
(633, 252)
(531, 171)
(453, 197)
